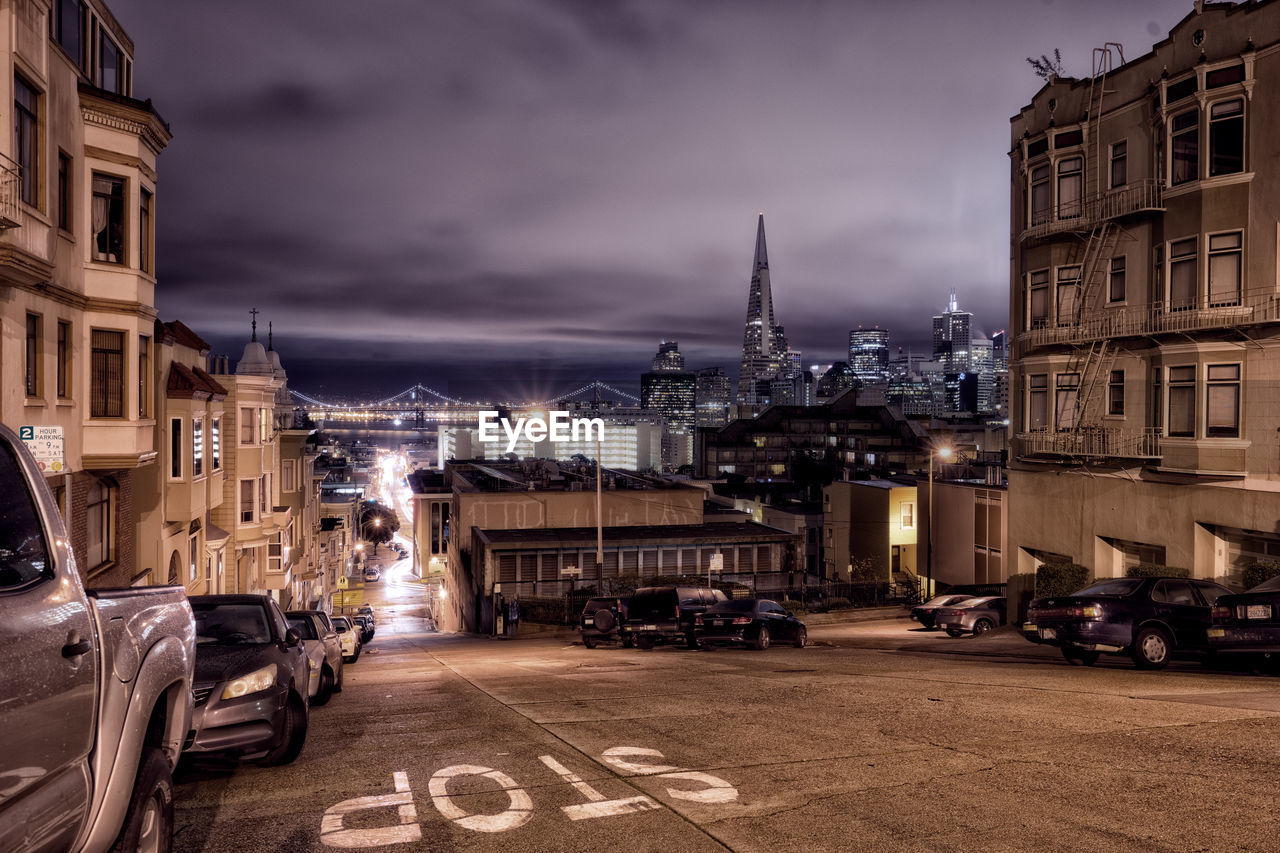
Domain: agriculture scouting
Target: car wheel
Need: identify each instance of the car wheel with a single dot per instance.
(628, 642)
(954, 632)
(802, 638)
(588, 642)
(294, 735)
(762, 639)
(337, 688)
(148, 823)
(643, 643)
(690, 641)
(1151, 648)
(326, 687)
(982, 626)
(356, 656)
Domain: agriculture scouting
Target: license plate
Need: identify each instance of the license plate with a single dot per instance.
(1029, 627)
(1258, 611)
(1048, 633)
(650, 628)
(717, 622)
(1217, 632)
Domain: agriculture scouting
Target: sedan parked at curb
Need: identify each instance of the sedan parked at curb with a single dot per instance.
(926, 613)
(251, 680)
(365, 624)
(1150, 619)
(324, 651)
(1248, 623)
(349, 638)
(972, 616)
(758, 623)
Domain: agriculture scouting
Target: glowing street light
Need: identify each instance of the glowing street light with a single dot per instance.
(943, 453)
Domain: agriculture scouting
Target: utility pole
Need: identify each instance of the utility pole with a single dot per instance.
(599, 519)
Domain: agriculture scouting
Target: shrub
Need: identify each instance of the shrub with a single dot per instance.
(1155, 570)
(1259, 571)
(838, 603)
(1060, 579)
(793, 605)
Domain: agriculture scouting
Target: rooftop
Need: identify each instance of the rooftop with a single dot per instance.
(585, 537)
(545, 475)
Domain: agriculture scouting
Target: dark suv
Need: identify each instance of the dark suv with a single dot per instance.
(604, 620)
(665, 614)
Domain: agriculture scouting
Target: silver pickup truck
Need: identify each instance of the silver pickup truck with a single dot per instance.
(95, 687)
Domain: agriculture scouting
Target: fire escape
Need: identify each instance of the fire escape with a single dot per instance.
(1093, 221)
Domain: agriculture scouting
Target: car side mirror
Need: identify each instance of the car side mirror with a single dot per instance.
(292, 637)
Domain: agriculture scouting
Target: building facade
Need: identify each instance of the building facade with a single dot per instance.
(77, 271)
(1145, 305)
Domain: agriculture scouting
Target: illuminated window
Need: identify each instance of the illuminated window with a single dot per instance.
(908, 516)
(215, 443)
(197, 447)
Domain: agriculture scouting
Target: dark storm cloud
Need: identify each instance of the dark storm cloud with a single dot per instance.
(549, 187)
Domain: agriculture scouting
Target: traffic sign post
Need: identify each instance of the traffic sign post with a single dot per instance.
(716, 565)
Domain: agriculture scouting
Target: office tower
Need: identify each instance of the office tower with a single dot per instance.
(672, 392)
(869, 354)
(951, 337)
(711, 397)
(763, 342)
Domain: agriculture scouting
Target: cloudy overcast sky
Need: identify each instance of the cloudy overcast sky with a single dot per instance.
(541, 190)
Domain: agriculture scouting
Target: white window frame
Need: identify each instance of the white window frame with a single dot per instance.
(1211, 383)
(908, 515)
(1225, 251)
(197, 447)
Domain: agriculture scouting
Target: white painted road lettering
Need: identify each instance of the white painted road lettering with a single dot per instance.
(520, 807)
(598, 805)
(517, 814)
(333, 834)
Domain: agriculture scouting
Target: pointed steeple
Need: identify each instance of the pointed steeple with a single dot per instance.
(760, 341)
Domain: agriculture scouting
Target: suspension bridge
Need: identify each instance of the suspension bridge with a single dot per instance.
(419, 406)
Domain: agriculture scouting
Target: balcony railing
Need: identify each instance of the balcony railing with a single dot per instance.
(10, 176)
(1089, 442)
(1082, 216)
(1157, 318)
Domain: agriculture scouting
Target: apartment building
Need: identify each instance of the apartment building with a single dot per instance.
(176, 497)
(77, 271)
(1145, 305)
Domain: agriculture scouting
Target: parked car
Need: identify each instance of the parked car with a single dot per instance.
(349, 638)
(664, 614)
(371, 574)
(252, 679)
(604, 620)
(1248, 623)
(976, 615)
(745, 621)
(1150, 619)
(95, 694)
(366, 611)
(324, 650)
(925, 613)
(365, 624)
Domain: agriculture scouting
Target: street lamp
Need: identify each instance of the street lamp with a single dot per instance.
(943, 453)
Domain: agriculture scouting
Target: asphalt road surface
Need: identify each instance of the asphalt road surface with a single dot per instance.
(875, 738)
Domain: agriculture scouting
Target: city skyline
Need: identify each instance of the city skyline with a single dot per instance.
(545, 190)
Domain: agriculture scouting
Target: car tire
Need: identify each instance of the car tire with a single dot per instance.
(802, 638)
(588, 642)
(148, 823)
(1152, 648)
(690, 640)
(982, 626)
(628, 642)
(337, 687)
(294, 736)
(1079, 657)
(325, 690)
(643, 643)
(954, 632)
(762, 639)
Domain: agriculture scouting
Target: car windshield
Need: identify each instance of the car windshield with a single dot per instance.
(741, 605)
(231, 624)
(1268, 585)
(304, 626)
(1119, 586)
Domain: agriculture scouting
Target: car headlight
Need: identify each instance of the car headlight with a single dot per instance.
(254, 682)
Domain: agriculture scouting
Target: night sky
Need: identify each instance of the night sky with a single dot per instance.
(538, 191)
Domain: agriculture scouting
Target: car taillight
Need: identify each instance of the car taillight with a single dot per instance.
(742, 620)
(697, 620)
(1220, 613)
(1089, 611)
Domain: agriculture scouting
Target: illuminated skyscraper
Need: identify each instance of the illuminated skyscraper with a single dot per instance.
(763, 344)
(672, 391)
(952, 338)
(869, 354)
(712, 397)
